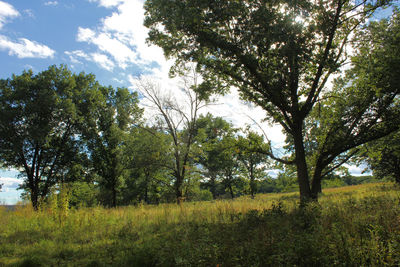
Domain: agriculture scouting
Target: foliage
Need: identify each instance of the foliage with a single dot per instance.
(383, 157)
(253, 161)
(352, 226)
(211, 134)
(148, 155)
(41, 118)
(279, 55)
(83, 194)
(363, 106)
(106, 139)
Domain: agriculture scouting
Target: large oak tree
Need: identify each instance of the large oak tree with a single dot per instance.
(280, 55)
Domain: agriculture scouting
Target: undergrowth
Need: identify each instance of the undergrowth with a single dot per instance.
(350, 226)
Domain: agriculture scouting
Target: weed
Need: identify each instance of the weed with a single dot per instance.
(352, 226)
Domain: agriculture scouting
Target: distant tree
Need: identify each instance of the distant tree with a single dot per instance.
(267, 185)
(254, 161)
(383, 157)
(210, 131)
(280, 55)
(107, 136)
(179, 121)
(227, 158)
(83, 194)
(40, 125)
(148, 155)
(286, 180)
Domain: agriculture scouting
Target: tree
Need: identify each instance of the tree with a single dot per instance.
(107, 137)
(279, 54)
(227, 158)
(363, 106)
(383, 157)
(40, 125)
(209, 133)
(148, 151)
(253, 161)
(179, 122)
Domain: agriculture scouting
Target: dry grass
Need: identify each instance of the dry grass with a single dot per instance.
(85, 235)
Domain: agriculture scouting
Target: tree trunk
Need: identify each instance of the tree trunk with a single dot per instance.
(230, 186)
(231, 191)
(301, 164)
(146, 195)
(34, 188)
(252, 182)
(252, 188)
(316, 183)
(35, 198)
(178, 190)
(114, 197)
(146, 188)
(397, 172)
(213, 188)
(397, 178)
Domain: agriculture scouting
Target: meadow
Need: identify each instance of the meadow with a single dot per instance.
(350, 226)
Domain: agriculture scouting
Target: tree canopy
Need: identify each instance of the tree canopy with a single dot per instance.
(280, 55)
(40, 125)
(383, 157)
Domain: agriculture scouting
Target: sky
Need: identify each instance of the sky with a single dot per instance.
(103, 37)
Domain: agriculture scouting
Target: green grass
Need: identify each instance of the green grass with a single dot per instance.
(351, 226)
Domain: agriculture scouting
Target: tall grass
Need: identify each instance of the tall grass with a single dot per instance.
(351, 226)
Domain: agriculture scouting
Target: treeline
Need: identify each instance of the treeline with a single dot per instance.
(66, 132)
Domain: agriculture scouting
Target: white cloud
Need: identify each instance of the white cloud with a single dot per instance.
(6, 11)
(9, 194)
(107, 3)
(51, 3)
(85, 35)
(105, 42)
(358, 170)
(28, 67)
(9, 183)
(118, 80)
(122, 36)
(74, 56)
(29, 13)
(102, 60)
(24, 48)
(128, 24)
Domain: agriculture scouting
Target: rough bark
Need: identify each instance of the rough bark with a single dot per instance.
(301, 164)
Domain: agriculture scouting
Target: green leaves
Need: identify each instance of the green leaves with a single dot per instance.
(107, 136)
(280, 55)
(40, 125)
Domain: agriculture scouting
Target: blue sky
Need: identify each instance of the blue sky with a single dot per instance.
(104, 37)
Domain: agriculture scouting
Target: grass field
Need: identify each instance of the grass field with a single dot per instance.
(351, 226)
